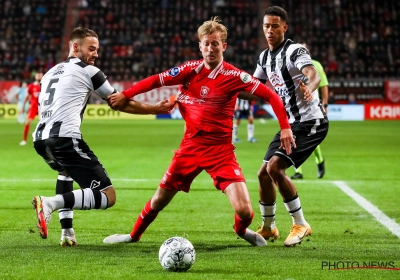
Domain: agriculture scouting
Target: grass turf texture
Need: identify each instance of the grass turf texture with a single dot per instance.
(136, 153)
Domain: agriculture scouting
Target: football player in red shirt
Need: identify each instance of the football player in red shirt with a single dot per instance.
(206, 99)
(32, 98)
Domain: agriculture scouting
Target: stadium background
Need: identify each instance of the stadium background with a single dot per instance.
(356, 43)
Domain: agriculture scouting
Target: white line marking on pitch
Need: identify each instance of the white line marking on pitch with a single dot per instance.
(370, 208)
(157, 180)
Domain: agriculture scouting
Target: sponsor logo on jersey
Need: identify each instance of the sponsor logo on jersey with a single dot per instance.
(302, 51)
(246, 78)
(298, 53)
(275, 80)
(173, 72)
(94, 184)
(282, 92)
(204, 91)
(183, 98)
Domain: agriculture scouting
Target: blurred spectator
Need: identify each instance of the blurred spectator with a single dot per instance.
(331, 98)
(352, 98)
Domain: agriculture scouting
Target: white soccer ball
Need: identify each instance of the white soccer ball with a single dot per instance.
(177, 254)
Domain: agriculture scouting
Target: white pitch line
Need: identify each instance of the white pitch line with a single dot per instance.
(370, 208)
(153, 180)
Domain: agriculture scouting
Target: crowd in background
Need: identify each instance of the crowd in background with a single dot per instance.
(351, 39)
(31, 33)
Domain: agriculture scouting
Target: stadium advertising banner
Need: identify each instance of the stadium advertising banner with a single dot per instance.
(345, 112)
(8, 91)
(382, 112)
(102, 111)
(392, 92)
(93, 111)
(8, 111)
(335, 112)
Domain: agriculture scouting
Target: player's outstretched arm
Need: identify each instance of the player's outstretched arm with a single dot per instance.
(162, 107)
(117, 101)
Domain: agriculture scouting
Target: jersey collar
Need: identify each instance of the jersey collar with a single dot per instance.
(214, 72)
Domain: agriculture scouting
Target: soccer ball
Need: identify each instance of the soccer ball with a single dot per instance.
(177, 254)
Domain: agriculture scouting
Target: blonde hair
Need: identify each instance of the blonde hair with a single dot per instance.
(211, 26)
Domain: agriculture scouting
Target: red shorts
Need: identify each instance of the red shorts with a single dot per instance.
(33, 112)
(219, 161)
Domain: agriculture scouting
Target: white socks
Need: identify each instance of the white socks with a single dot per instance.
(250, 131)
(268, 215)
(294, 209)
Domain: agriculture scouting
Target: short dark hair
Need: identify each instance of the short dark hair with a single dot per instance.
(81, 33)
(276, 11)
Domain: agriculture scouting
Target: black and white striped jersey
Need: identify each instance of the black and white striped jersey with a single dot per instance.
(282, 67)
(242, 104)
(65, 90)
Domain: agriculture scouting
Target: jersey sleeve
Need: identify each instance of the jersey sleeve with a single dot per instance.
(173, 76)
(300, 57)
(259, 73)
(99, 81)
(321, 73)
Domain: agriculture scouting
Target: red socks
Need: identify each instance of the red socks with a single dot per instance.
(143, 221)
(241, 224)
(148, 215)
(26, 130)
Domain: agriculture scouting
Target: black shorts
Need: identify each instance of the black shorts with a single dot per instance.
(308, 135)
(74, 157)
(243, 114)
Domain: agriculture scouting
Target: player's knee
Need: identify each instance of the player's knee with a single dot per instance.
(262, 172)
(111, 196)
(274, 167)
(245, 210)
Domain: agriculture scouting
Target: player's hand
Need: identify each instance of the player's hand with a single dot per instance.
(306, 91)
(117, 101)
(287, 140)
(164, 107)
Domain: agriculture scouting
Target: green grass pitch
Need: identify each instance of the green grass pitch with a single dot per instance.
(364, 156)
